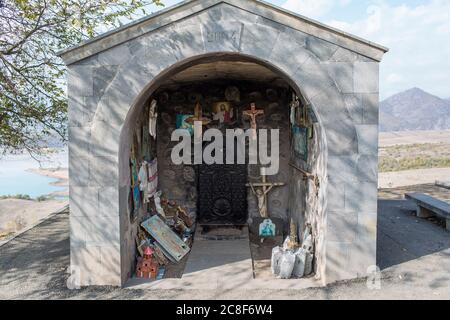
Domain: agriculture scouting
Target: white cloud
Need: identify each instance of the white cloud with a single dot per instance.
(313, 8)
(418, 38)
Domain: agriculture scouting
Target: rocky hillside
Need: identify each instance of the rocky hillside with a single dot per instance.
(414, 109)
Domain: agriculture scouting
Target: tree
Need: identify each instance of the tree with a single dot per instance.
(33, 103)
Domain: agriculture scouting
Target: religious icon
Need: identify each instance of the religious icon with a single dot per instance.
(223, 112)
(183, 124)
(300, 141)
(260, 190)
(198, 116)
(267, 229)
(253, 113)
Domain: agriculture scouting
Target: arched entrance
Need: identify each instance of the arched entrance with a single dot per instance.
(217, 194)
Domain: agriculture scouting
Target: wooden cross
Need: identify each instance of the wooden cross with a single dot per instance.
(253, 113)
(261, 195)
(198, 116)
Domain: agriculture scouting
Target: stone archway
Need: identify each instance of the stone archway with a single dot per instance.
(340, 85)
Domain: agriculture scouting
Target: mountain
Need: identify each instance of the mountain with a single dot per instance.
(414, 109)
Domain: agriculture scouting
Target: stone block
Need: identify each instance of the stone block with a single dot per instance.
(364, 250)
(367, 168)
(342, 168)
(230, 13)
(344, 55)
(89, 61)
(116, 56)
(83, 201)
(90, 108)
(341, 226)
(361, 196)
(342, 74)
(254, 40)
(103, 75)
(79, 170)
(370, 102)
(136, 45)
(85, 261)
(80, 80)
(109, 201)
(355, 107)
(104, 139)
(338, 262)
(367, 139)
(159, 53)
(79, 142)
(341, 137)
(102, 230)
(78, 230)
(110, 257)
(76, 112)
(222, 37)
(187, 41)
(322, 49)
(289, 51)
(366, 77)
(103, 171)
(314, 80)
(335, 193)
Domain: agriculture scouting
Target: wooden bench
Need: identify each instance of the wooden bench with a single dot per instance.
(441, 184)
(428, 206)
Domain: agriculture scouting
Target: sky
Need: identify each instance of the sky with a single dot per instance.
(417, 32)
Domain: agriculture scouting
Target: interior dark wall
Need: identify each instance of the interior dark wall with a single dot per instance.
(178, 182)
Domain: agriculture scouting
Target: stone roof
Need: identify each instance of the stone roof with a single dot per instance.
(188, 8)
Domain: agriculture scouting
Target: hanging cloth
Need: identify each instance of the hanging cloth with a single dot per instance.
(152, 177)
(143, 180)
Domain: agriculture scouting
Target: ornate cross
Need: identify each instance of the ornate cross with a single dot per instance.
(253, 113)
(198, 116)
(261, 194)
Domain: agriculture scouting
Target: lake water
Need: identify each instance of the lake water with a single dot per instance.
(15, 179)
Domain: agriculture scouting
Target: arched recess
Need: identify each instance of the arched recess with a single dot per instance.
(123, 102)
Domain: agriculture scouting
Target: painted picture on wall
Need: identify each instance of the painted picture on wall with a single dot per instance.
(182, 124)
(300, 141)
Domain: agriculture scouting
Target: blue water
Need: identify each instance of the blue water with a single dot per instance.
(15, 179)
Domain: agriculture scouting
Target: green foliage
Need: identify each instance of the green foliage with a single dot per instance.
(414, 156)
(43, 198)
(17, 196)
(33, 103)
(389, 164)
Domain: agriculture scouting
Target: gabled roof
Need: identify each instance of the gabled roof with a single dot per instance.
(190, 7)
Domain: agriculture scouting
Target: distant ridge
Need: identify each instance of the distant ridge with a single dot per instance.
(414, 109)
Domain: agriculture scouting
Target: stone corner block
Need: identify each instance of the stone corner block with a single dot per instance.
(366, 77)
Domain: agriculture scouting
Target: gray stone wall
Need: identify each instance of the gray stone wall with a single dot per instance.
(107, 90)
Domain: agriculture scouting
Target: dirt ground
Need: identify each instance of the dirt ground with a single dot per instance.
(17, 215)
(413, 137)
(430, 189)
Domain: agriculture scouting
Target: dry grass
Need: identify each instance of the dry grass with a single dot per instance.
(414, 156)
